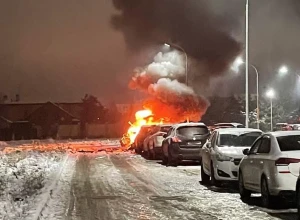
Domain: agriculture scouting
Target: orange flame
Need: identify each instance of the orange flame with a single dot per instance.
(142, 117)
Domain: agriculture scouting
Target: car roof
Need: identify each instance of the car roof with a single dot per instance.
(189, 124)
(164, 125)
(284, 133)
(229, 123)
(237, 130)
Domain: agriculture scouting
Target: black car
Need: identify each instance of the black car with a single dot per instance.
(184, 142)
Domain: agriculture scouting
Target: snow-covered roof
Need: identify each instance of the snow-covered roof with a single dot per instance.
(189, 124)
(284, 133)
(237, 130)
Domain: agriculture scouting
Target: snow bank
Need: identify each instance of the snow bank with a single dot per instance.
(22, 177)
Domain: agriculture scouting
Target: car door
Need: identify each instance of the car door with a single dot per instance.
(248, 165)
(206, 151)
(259, 160)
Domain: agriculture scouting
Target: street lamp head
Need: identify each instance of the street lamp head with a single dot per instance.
(270, 93)
(236, 64)
(283, 70)
(239, 61)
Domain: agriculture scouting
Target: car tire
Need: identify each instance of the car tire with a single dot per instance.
(268, 201)
(204, 177)
(244, 193)
(213, 180)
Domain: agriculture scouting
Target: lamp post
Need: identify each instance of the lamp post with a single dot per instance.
(247, 64)
(239, 61)
(186, 59)
(271, 94)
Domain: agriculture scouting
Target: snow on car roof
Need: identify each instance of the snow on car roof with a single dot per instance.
(189, 124)
(284, 133)
(237, 130)
(229, 123)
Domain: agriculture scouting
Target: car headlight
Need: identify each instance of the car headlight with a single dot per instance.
(221, 157)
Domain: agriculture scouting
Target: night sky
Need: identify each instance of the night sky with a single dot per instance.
(60, 50)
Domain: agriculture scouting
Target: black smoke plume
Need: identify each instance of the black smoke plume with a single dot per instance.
(189, 23)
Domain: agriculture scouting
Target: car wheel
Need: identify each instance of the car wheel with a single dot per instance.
(267, 199)
(171, 161)
(213, 180)
(244, 193)
(204, 177)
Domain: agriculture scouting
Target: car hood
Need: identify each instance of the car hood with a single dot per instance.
(233, 151)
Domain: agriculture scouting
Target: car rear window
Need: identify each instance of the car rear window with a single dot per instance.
(192, 130)
(238, 140)
(289, 143)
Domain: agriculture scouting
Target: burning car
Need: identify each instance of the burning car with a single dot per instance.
(153, 143)
(139, 140)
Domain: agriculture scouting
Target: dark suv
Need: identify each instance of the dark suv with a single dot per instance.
(184, 142)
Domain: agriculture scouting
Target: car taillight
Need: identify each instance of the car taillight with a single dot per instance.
(286, 161)
(176, 139)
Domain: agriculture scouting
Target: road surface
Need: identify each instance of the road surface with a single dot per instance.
(126, 186)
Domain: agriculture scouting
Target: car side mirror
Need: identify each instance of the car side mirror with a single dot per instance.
(246, 151)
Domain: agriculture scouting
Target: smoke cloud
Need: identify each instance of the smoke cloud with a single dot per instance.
(169, 97)
(190, 23)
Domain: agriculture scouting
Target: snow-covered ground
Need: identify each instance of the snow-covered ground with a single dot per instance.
(23, 176)
(36, 175)
(61, 184)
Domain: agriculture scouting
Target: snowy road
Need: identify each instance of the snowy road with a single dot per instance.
(113, 185)
(125, 186)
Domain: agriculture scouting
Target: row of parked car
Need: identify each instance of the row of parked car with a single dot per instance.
(266, 163)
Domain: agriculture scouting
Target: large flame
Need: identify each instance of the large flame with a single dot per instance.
(142, 117)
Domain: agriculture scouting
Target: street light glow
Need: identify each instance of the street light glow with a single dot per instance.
(270, 93)
(167, 45)
(239, 61)
(283, 70)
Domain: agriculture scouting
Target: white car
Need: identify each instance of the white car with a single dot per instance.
(271, 167)
(223, 152)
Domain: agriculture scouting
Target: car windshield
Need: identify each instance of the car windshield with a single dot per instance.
(190, 131)
(289, 143)
(238, 140)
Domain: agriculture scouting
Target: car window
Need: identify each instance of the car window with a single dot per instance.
(254, 148)
(265, 146)
(240, 126)
(189, 131)
(289, 143)
(238, 139)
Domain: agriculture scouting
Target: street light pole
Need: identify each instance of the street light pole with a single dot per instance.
(270, 94)
(186, 59)
(271, 114)
(247, 64)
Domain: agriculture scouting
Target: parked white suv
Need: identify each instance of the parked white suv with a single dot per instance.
(223, 152)
(271, 167)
